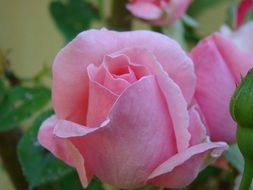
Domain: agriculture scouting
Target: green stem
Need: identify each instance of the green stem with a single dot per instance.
(8, 146)
(247, 175)
(120, 19)
(157, 28)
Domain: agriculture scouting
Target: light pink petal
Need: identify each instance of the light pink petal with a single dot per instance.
(119, 67)
(70, 80)
(118, 73)
(215, 86)
(170, 55)
(173, 11)
(145, 10)
(176, 103)
(180, 7)
(138, 136)
(241, 38)
(237, 55)
(197, 128)
(63, 149)
(183, 168)
(100, 98)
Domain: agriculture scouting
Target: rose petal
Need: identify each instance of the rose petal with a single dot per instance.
(242, 11)
(197, 128)
(99, 97)
(174, 10)
(138, 119)
(145, 10)
(70, 80)
(172, 58)
(234, 54)
(215, 86)
(182, 168)
(176, 103)
(63, 149)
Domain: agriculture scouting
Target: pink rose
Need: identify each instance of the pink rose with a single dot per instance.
(158, 12)
(124, 113)
(220, 62)
(242, 10)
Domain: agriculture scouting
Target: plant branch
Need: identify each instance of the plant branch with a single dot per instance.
(120, 19)
(8, 152)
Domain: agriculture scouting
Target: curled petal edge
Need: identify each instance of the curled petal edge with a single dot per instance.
(216, 150)
(63, 148)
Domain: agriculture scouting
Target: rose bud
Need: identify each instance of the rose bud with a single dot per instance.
(220, 61)
(158, 12)
(242, 11)
(241, 108)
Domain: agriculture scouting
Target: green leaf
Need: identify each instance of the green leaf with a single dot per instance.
(2, 90)
(72, 17)
(20, 103)
(39, 166)
(231, 14)
(234, 156)
(198, 6)
(72, 181)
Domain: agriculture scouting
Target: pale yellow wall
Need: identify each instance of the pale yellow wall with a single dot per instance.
(28, 30)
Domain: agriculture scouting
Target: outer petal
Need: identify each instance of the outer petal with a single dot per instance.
(63, 149)
(181, 169)
(238, 57)
(70, 80)
(215, 86)
(242, 38)
(145, 10)
(136, 138)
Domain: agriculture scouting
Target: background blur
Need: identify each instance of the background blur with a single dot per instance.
(29, 34)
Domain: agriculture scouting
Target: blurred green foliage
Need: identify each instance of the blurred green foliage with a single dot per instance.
(73, 16)
(39, 166)
(19, 103)
(198, 6)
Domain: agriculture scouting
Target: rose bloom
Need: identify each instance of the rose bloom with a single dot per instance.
(220, 61)
(124, 111)
(158, 12)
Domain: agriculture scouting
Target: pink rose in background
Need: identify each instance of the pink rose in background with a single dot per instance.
(242, 10)
(220, 62)
(124, 111)
(158, 12)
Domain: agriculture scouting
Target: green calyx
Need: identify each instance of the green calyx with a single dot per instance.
(241, 104)
(245, 141)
